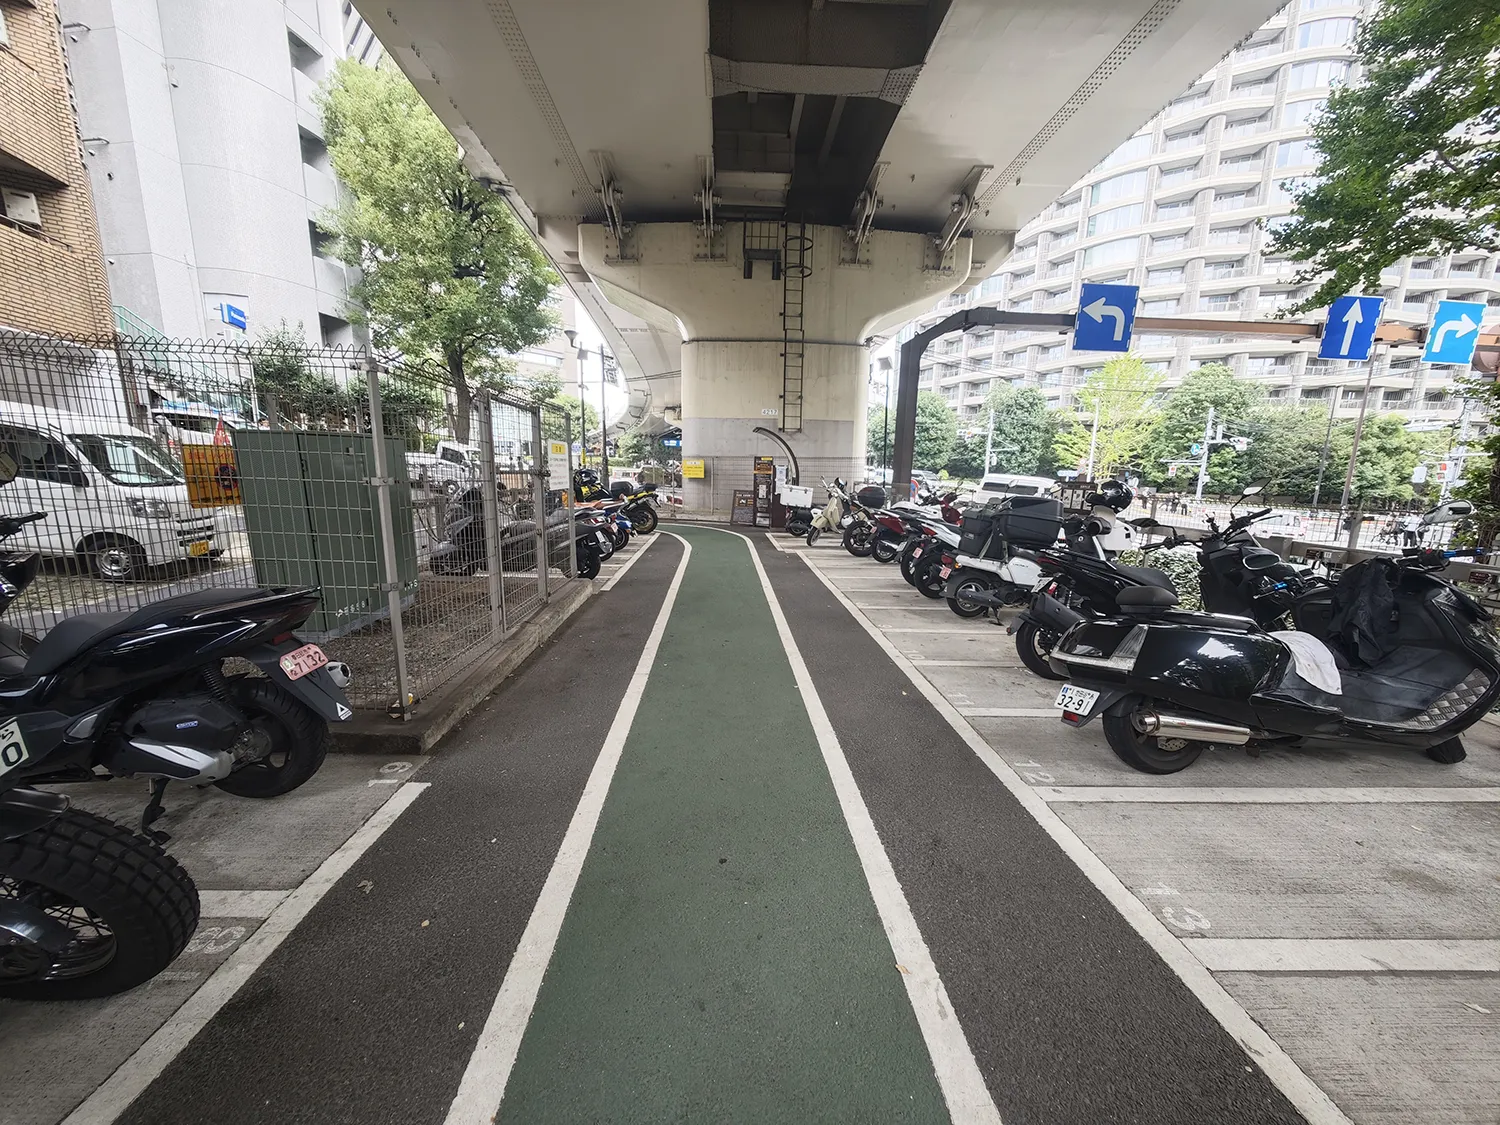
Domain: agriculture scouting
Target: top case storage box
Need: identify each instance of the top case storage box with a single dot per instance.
(871, 496)
(1016, 521)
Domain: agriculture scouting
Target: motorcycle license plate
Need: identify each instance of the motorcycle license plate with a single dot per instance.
(1076, 700)
(944, 571)
(916, 552)
(199, 549)
(1041, 584)
(301, 661)
(603, 539)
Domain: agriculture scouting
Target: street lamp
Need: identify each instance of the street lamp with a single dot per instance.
(583, 422)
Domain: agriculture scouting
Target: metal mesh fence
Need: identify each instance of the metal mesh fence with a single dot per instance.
(423, 511)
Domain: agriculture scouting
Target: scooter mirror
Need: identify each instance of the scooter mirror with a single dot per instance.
(8, 468)
(1450, 511)
(1253, 489)
(1261, 560)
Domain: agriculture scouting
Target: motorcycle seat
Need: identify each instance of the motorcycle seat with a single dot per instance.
(1148, 577)
(1146, 597)
(73, 635)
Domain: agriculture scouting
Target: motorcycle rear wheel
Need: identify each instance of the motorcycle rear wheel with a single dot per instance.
(1449, 752)
(1033, 645)
(296, 740)
(928, 582)
(1147, 752)
(954, 589)
(643, 519)
(859, 540)
(588, 564)
(885, 549)
(130, 905)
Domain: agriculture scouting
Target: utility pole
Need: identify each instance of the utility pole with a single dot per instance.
(1208, 438)
(1359, 428)
(1093, 442)
(603, 424)
(989, 443)
(1327, 437)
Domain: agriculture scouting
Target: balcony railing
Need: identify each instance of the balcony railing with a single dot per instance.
(1185, 141)
(1220, 273)
(1242, 167)
(1246, 129)
(1422, 271)
(1186, 105)
(1260, 51)
(1255, 90)
(1178, 176)
(1225, 307)
(1169, 245)
(1235, 202)
(1230, 237)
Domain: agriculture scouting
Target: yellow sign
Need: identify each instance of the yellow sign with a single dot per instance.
(693, 467)
(557, 449)
(213, 478)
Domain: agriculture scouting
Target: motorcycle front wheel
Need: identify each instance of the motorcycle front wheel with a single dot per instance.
(1033, 646)
(622, 538)
(130, 907)
(1147, 752)
(812, 535)
(859, 540)
(588, 564)
(284, 746)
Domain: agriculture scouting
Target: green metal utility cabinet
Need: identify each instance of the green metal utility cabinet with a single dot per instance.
(311, 520)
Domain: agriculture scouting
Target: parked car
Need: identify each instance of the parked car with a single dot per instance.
(192, 424)
(115, 499)
(1012, 484)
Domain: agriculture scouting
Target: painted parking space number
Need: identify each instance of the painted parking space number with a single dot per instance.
(1185, 918)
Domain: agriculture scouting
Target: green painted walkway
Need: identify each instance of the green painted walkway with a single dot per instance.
(721, 959)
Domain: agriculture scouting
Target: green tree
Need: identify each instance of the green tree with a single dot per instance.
(1124, 393)
(1024, 429)
(1410, 164)
(966, 462)
(937, 431)
(879, 434)
(1387, 455)
(1184, 414)
(1285, 448)
(562, 418)
(450, 279)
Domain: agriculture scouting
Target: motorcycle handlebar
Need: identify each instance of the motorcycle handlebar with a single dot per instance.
(9, 525)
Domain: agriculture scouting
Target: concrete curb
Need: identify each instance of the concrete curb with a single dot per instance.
(372, 733)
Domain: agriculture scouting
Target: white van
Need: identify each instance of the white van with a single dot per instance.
(1010, 484)
(191, 424)
(115, 500)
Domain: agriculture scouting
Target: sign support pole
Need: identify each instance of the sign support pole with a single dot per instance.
(1359, 429)
(1208, 438)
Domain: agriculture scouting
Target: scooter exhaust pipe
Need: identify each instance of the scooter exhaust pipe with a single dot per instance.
(1190, 730)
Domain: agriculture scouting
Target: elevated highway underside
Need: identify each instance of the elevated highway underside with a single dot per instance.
(883, 115)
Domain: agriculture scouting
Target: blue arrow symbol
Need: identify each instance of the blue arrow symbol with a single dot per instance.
(1352, 319)
(1099, 310)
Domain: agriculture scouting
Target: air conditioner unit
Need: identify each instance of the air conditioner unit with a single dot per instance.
(20, 207)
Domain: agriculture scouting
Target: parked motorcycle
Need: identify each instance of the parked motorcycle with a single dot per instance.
(985, 570)
(861, 528)
(593, 543)
(638, 504)
(895, 525)
(831, 518)
(1394, 657)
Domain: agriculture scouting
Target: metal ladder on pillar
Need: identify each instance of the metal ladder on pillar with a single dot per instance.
(795, 269)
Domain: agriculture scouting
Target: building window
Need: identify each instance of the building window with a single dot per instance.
(1167, 243)
(304, 57)
(1302, 153)
(1120, 250)
(1170, 276)
(1116, 218)
(1326, 33)
(1161, 307)
(1297, 113)
(1132, 149)
(1131, 185)
(1174, 210)
(1314, 75)
(322, 242)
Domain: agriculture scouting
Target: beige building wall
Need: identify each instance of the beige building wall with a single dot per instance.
(51, 272)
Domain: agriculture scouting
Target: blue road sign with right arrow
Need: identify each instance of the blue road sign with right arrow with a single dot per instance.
(1105, 314)
(1350, 331)
(1454, 332)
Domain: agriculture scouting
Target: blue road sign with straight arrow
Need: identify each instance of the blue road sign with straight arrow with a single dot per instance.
(1454, 332)
(1105, 315)
(1350, 331)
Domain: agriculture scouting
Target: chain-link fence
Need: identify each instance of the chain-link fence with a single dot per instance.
(425, 511)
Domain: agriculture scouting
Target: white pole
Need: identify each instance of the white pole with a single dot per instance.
(1208, 437)
(989, 443)
(1093, 443)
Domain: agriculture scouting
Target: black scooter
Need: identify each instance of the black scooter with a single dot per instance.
(1415, 661)
(88, 908)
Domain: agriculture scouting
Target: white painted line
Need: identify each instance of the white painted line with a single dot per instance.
(1267, 795)
(483, 1085)
(1011, 713)
(609, 583)
(122, 1087)
(922, 662)
(958, 1074)
(239, 904)
(1316, 1106)
(903, 608)
(1345, 955)
(955, 632)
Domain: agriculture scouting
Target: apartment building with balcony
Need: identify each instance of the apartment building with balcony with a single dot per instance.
(52, 279)
(1184, 209)
(207, 161)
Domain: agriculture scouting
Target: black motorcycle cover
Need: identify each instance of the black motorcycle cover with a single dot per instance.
(1365, 617)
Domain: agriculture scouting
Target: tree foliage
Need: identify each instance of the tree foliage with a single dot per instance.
(561, 421)
(966, 462)
(1410, 164)
(1387, 455)
(937, 430)
(1124, 392)
(1184, 414)
(449, 277)
(1024, 429)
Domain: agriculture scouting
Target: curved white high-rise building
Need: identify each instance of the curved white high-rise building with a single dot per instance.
(1180, 210)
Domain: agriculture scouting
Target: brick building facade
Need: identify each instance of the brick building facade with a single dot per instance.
(52, 277)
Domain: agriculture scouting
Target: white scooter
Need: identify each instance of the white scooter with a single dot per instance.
(834, 515)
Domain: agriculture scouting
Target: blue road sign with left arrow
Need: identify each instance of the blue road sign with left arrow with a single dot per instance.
(1454, 332)
(1105, 315)
(1350, 331)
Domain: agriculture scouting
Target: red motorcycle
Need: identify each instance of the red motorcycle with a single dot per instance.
(893, 526)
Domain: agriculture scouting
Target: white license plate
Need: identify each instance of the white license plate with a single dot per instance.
(1076, 700)
(13, 750)
(603, 539)
(944, 571)
(300, 661)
